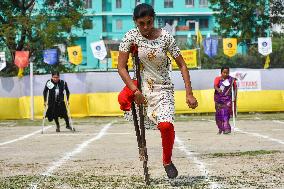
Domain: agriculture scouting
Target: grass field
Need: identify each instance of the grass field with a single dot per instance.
(103, 153)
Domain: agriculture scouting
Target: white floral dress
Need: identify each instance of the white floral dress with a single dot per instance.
(157, 86)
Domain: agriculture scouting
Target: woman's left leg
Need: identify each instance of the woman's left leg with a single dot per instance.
(168, 138)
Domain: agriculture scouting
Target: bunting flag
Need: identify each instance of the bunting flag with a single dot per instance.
(99, 49)
(22, 61)
(50, 56)
(75, 55)
(210, 46)
(2, 60)
(198, 37)
(230, 46)
(264, 45)
(267, 62)
(189, 56)
(114, 60)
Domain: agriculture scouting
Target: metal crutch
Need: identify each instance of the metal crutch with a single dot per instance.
(233, 107)
(68, 112)
(44, 112)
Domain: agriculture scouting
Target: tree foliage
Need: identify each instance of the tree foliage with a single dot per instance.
(37, 25)
(245, 20)
(277, 12)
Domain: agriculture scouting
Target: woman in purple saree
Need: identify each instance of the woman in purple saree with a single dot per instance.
(223, 100)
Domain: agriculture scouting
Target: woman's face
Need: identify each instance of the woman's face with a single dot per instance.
(225, 73)
(145, 25)
(55, 78)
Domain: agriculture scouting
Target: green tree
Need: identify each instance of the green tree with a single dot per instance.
(277, 12)
(37, 25)
(245, 20)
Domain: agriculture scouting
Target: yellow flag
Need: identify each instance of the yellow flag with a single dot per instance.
(230, 46)
(267, 62)
(21, 72)
(189, 57)
(75, 55)
(198, 37)
(114, 60)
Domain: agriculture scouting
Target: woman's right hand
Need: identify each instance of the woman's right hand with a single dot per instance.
(138, 97)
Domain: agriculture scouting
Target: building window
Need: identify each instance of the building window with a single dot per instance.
(118, 3)
(88, 4)
(119, 24)
(190, 24)
(168, 3)
(203, 3)
(189, 3)
(203, 23)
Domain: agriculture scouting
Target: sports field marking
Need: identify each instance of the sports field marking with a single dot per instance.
(73, 134)
(77, 150)
(67, 156)
(8, 124)
(257, 135)
(260, 136)
(200, 164)
(23, 137)
(277, 121)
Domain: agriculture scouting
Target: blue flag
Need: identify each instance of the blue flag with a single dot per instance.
(50, 56)
(210, 46)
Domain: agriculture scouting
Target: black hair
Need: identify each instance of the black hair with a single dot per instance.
(225, 67)
(55, 73)
(143, 10)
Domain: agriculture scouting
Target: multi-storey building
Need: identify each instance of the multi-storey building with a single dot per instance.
(111, 19)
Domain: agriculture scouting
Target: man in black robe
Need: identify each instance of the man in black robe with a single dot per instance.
(53, 94)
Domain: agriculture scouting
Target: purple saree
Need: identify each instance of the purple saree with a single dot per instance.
(223, 103)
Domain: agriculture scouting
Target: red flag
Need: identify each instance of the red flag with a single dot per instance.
(22, 59)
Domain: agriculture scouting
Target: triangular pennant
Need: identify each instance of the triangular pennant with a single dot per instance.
(99, 49)
(264, 45)
(22, 58)
(75, 55)
(230, 46)
(50, 56)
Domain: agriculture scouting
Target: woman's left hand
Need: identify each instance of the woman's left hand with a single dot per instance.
(191, 101)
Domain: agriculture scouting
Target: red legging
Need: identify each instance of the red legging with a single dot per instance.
(168, 138)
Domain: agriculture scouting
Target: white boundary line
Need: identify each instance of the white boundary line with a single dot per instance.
(278, 121)
(67, 156)
(23, 137)
(200, 164)
(77, 150)
(8, 124)
(73, 134)
(259, 135)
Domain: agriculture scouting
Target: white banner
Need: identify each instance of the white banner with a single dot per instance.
(99, 49)
(264, 45)
(248, 80)
(2, 60)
